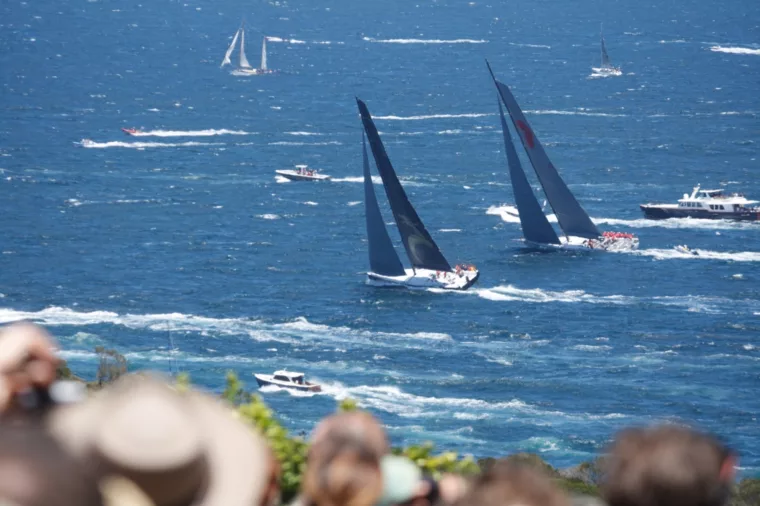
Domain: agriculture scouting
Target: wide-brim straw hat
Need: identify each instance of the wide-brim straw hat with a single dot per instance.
(177, 448)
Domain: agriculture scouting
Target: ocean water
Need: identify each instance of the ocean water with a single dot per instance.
(184, 251)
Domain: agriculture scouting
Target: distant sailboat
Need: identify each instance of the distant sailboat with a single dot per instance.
(607, 69)
(579, 231)
(430, 269)
(244, 67)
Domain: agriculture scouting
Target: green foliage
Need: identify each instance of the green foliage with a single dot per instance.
(746, 493)
(575, 486)
(436, 465)
(112, 365)
(347, 405)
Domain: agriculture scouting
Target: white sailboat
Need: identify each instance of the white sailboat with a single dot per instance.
(606, 69)
(244, 67)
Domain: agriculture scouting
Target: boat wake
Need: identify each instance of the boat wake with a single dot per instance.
(691, 303)
(425, 41)
(271, 389)
(509, 214)
(376, 180)
(290, 143)
(189, 133)
(735, 50)
(86, 143)
(673, 254)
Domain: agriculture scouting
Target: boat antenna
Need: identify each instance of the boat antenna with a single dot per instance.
(172, 363)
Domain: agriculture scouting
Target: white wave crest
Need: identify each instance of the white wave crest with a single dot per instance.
(289, 41)
(576, 112)
(735, 50)
(295, 331)
(287, 143)
(433, 116)
(268, 216)
(189, 133)
(303, 133)
(86, 143)
(539, 46)
(678, 223)
(425, 41)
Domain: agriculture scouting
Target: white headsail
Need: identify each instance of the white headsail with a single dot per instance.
(230, 49)
(243, 60)
(264, 54)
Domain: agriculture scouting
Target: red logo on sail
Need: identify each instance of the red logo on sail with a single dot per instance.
(527, 133)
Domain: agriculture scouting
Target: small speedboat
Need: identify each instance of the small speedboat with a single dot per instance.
(682, 248)
(287, 379)
(302, 173)
(130, 131)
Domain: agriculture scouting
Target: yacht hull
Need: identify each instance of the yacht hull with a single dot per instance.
(423, 279)
(662, 213)
(606, 71)
(573, 243)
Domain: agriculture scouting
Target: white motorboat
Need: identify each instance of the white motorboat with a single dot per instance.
(430, 269)
(579, 232)
(706, 204)
(302, 173)
(244, 67)
(607, 69)
(287, 379)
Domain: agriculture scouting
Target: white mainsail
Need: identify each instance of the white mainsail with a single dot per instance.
(264, 54)
(230, 49)
(243, 60)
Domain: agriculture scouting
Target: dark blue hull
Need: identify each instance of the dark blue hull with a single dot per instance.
(659, 213)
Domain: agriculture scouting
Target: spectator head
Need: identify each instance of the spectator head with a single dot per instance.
(27, 361)
(176, 448)
(404, 484)
(35, 471)
(507, 483)
(355, 425)
(668, 466)
(343, 466)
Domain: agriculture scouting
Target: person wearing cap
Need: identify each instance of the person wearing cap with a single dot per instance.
(151, 445)
(404, 484)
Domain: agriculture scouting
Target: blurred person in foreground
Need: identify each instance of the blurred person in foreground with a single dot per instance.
(36, 471)
(405, 485)
(27, 369)
(150, 445)
(507, 483)
(668, 466)
(343, 464)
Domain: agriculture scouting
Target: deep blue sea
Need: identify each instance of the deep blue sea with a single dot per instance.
(183, 250)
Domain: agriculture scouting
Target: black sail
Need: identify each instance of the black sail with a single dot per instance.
(382, 256)
(422, 251)
(536, 227)
(572, 218)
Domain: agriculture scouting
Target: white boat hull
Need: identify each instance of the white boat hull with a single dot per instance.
(267, 379)
(297, 176)
(583, 244)
(607, 71)
(251, 72)
(422, 279)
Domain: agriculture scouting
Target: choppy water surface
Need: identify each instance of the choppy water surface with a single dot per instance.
(180, 247)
